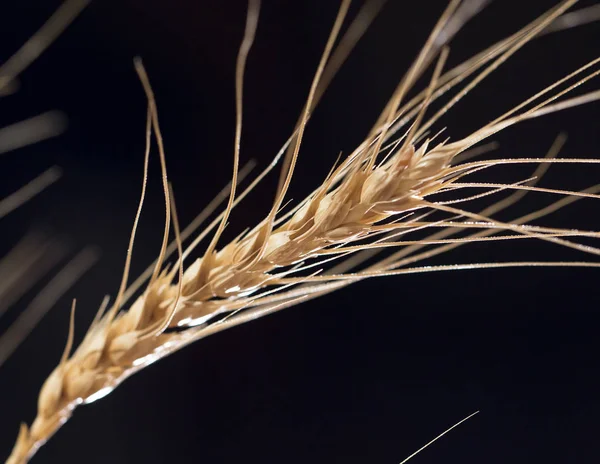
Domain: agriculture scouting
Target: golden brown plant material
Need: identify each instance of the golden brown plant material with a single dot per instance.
(396, 182)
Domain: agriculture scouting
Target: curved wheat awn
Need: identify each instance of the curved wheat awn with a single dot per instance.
(400, 180)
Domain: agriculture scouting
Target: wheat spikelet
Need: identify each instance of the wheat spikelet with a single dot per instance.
(385, 189)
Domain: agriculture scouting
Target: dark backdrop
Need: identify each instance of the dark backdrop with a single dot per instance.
(366, 375)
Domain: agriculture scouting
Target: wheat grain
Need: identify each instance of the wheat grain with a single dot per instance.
(382, 191)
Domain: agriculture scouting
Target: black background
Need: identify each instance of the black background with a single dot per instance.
(365, 375)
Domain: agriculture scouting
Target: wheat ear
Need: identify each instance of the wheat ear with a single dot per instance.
(387, 188)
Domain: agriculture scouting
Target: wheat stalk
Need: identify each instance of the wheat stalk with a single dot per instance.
(387, 188)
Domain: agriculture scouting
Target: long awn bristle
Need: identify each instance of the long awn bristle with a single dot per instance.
(399, 181)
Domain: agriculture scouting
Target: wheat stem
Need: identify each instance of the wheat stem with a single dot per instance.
(379, 192)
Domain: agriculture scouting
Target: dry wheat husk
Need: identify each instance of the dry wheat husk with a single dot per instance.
(384, 190)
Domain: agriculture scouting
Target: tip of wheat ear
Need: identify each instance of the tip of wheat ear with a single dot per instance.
(380, 192)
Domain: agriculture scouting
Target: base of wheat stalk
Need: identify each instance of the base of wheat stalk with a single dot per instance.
(400, 180)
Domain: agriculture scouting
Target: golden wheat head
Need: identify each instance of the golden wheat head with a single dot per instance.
(401, 179)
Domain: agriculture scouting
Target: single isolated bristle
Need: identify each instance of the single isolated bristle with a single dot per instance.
(400, 180)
